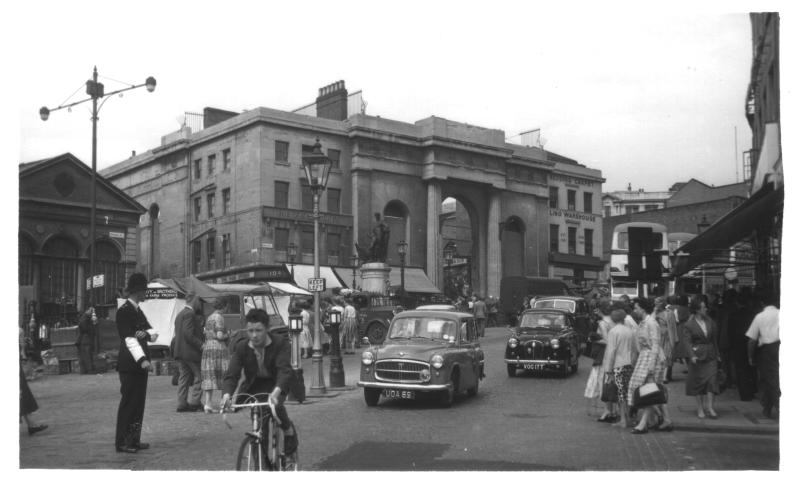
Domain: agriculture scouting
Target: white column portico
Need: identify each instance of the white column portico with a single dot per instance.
(494, 264)
(433, 210)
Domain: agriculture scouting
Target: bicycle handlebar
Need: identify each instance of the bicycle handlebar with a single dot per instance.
(254, 403)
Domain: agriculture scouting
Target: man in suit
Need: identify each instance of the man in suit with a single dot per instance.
(189, 339)
(266, 360)
(133, 365)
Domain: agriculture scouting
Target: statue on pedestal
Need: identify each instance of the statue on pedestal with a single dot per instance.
(379, 242)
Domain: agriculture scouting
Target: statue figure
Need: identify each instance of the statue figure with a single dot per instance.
(379, 240)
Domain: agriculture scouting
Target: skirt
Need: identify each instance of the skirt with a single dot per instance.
(27, 403)
(594, 385)
(348, 332)
(702, 378)
(213, 365)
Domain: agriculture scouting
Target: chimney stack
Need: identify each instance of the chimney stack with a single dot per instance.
(332, 101)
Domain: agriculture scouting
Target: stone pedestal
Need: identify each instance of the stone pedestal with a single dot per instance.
(375, 277)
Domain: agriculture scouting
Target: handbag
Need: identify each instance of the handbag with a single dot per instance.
(609, 393)
(649, 394)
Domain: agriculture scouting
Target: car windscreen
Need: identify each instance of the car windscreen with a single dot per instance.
(559, 304)
(423, 327)
(532, 321)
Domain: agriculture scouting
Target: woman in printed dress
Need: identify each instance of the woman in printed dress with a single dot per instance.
(349, 328)
(651, 364)
(215, 358)
(594, 385)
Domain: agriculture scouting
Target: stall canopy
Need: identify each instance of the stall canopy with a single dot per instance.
(191, 285)
(730, 229)
(415, 281)
(303, 272)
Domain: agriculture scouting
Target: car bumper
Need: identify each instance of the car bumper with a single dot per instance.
(403, 386)
(540, 362)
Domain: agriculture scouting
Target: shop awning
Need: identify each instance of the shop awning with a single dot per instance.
(579, 260)
(304, 272)
(415, 279)
(287, 288)
(730, 229)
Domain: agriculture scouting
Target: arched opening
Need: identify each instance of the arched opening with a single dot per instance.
(108, 260)
(512, 243)
(395, 214)
(58, 278)
(457, 230)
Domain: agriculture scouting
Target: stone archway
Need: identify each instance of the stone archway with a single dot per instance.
(512, 242)
(458, 226)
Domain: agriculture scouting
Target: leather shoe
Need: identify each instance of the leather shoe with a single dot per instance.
(142, 445)
(36, 428)
(127, 449)
(639, 431)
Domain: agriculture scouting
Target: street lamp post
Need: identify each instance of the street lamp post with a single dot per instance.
(317, 167)
(291, 254)
(96, 91)
(449, 251)
(295, 328)
(402, 250)
(336, 371)
(354, 263)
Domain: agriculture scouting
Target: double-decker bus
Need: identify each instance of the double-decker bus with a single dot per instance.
(621, 280)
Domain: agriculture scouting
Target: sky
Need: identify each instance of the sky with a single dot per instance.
(647, 97)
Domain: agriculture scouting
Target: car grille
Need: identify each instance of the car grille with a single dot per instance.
(400, 371)
(535, 349)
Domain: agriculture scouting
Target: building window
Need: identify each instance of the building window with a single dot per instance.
(307, 197)
(211, 251)
(554, 238)
(587, 202)
(631, 209)
(571, 199)
(334, 155)
(554, 197)
(333, 200)
(307, 241)
(572, 240)
(281, 194)
(197, 164)
(588, 242)
(226, 159)
(197, 208)
(196, 254)
(226, 201)
(333, 243)
(282, 151)
(226, 250)
(210, 202)
(606, 211)
(212, 162)
(281, 239)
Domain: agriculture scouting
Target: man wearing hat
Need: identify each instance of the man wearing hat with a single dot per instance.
(189, 339)
(133, 365)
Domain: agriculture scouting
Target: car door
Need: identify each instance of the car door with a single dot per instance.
(470, 364)
(582, 322)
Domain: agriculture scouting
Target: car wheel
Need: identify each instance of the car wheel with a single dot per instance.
(371, 396)
(474, 390)
(574, 366)
(449, 395)
(567, 364)
(512, 369)
(376, 332)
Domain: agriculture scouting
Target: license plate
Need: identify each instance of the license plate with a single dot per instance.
(533, 367)
(403, 394)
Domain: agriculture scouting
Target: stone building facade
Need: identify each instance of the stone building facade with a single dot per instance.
(247, 171)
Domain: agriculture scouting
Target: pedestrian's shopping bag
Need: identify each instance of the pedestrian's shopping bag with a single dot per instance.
(609, 393)
(649, 394)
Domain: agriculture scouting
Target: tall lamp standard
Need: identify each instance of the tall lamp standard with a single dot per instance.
(96, 91)
(402, 250)
(317, 167)
(354, 263)
(291, 254)
(449, 251)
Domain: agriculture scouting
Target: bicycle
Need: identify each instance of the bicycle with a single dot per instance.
(260, 450)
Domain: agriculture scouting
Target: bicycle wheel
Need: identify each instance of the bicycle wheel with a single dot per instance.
(251, 456)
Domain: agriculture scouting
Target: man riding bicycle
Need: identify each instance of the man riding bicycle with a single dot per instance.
(266, 360)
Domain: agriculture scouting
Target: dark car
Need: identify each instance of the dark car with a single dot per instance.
(544, 340)
(513, 289)
(585, 321)
(425, 352)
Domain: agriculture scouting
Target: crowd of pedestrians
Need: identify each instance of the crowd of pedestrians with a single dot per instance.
(717, 344)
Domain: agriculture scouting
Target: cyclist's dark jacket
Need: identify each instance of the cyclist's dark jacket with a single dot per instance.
(277, 363)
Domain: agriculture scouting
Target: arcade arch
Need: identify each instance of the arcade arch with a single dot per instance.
(458, 228)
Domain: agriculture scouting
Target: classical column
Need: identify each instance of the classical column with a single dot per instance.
(433, 258)
(494, 260)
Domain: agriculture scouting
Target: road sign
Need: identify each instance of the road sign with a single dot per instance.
(98, 281)
(316, 284)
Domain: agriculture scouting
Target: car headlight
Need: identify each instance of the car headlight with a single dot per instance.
(367, 358)
(437, 361)
(425, 375)
(512, 342)
(554, 343)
